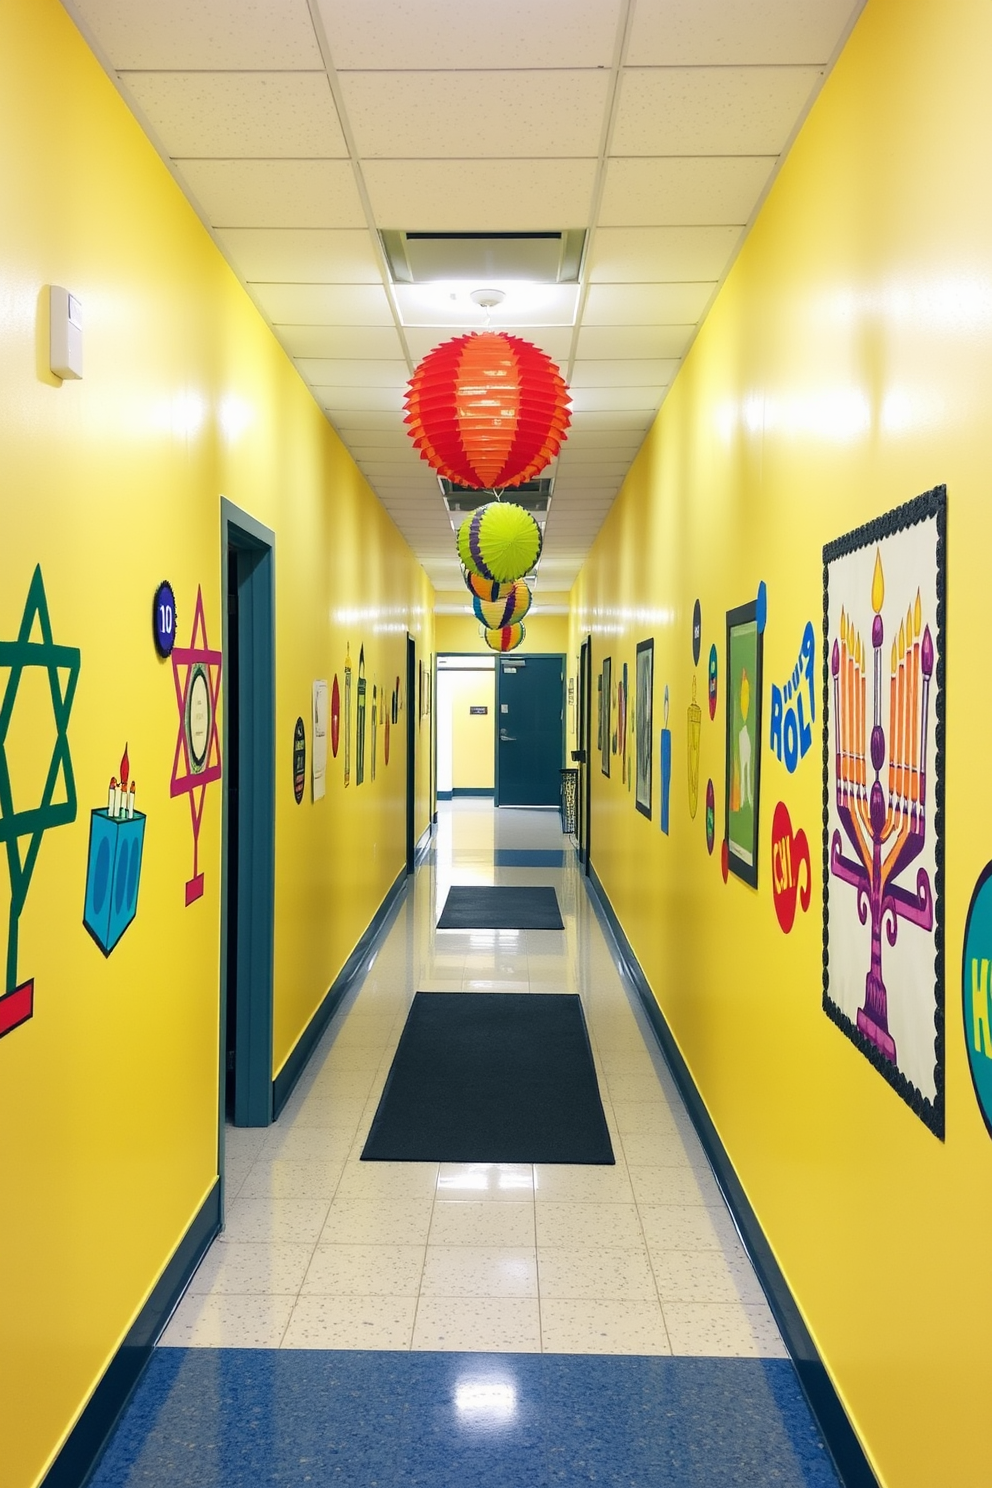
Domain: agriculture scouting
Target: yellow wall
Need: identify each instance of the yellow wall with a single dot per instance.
(845, 367)
(473, 740)
(112, 484)
(546, 627)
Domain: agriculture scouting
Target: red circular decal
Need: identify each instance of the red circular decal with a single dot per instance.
(791, 869)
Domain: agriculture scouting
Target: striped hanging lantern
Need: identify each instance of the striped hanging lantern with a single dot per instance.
(512, 605)
(487, 410)
(506, 639)
(500, 541)
(482, 588)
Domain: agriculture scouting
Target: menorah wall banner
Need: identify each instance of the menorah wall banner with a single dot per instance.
(883, 710)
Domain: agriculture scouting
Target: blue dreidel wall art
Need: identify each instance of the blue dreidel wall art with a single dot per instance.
(113, 868)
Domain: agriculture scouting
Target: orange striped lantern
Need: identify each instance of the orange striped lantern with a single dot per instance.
(487, 410)
(508, 638)
(512, 605)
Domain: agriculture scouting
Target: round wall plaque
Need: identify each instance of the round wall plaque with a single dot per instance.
(164, 618)
(299, 760)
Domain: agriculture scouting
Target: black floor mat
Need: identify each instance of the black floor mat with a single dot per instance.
(483, 907)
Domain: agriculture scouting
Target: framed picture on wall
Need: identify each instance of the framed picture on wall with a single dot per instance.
(606, 712)
(644, 725)
(883, 796)
(743, 753)
(599, 712)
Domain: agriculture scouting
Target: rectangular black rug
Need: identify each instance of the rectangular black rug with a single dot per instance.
(495, 1077)
(505, 907)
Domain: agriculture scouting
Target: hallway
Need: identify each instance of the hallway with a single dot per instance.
(371, 1322)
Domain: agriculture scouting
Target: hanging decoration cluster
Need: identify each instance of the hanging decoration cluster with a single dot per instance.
(490, 411)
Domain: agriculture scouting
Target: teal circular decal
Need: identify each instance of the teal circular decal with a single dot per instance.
(977, 992)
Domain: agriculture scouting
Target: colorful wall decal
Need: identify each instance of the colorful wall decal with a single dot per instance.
(694, 721)
(360, 720)
(347, 715)
(644, 705)
(710, 816)
(607, 682)
(599, 712)
(666, 768)
(976, 991)
(113, 863)
(33, 818)
(375, 725)
(196, 763)
(711, 672)
(743, 762)
(793, 709)
(388, 719)
(697, 632)
(335, 716)
(761, 607)
(319, 721)
(792, 872)
(883, 603)
(299, 760)
(164, 618)
(395, 702)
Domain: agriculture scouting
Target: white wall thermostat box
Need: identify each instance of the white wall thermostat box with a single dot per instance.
(66, 333)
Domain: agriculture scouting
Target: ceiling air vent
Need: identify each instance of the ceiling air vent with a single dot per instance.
(533, 495)
(538, 257)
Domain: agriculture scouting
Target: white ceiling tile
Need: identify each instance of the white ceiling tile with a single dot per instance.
(697, 32)
(639, 373)
(616, 399)
(339, 341)
(348, 305)
(275, 193)
(307, 255)
(634, 341)
(632, 255)
(339, 400)
(262, 115)
(647, 192)
(646, 304)
(632, 421)
(538, 305)
(480, 196)
(225, 34)
(356, 420)
(384, 438)
(554, 342)
(345, 372)
(451, 34)
(711, 110)
(470, 115)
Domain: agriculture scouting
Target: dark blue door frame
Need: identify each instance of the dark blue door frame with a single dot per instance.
(248, 878)
(555, 699)
(411, 752)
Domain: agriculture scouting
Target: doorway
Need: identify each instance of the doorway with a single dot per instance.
(585, 746)
(249, 819)
(411, 755)
(465, 712)
(530, 741)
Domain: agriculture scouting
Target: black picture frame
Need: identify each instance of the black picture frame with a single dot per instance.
(607, 682)
(930, 506)
(643, 726)
(742, 857)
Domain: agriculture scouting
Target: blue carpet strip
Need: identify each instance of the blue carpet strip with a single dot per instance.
(529, 857)
(230, 1418)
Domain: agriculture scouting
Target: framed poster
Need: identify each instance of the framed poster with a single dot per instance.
(599, 712)
(607, 686)
(883, 712)
(745, 646)
(644, 726)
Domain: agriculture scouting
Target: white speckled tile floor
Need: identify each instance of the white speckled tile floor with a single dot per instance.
(323, 1251)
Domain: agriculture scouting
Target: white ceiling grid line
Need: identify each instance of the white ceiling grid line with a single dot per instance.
(299, 129)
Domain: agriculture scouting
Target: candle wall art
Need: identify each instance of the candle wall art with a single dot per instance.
(883, 709)
(743, 762)
(665, 761)
(644, 708)
(113, 863)
(694, 725)
(196, 673)
(320, 721)
(360, 720)
(335, 715)
(23, 826)
(607, 713)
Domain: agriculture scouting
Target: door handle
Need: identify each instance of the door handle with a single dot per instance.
(505, 738)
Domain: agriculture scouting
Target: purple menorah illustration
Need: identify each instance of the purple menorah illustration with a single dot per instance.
(887, 829)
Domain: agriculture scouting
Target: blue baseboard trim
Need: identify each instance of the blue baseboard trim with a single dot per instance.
(285, 1080)
(848, 1455)
(85, 1443)
(423, 846)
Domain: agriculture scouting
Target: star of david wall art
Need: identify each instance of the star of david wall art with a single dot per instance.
(196, 672)
(28, 821)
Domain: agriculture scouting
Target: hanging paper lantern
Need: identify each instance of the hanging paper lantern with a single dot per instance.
(487, 410)
(506, 639)
(482, 588)
(500, 541)
(512, 605)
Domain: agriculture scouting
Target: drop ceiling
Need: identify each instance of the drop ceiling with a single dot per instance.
(301, 129)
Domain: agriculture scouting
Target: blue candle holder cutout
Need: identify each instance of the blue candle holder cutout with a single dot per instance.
(113, 869)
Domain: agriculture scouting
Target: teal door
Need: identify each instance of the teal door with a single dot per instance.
(531, 737)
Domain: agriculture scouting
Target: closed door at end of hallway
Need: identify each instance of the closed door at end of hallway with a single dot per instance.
(530, 739)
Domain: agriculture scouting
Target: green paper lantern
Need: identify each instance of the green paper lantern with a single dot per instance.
(500, 541)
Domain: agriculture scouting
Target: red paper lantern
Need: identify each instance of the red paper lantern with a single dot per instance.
(487, 410)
